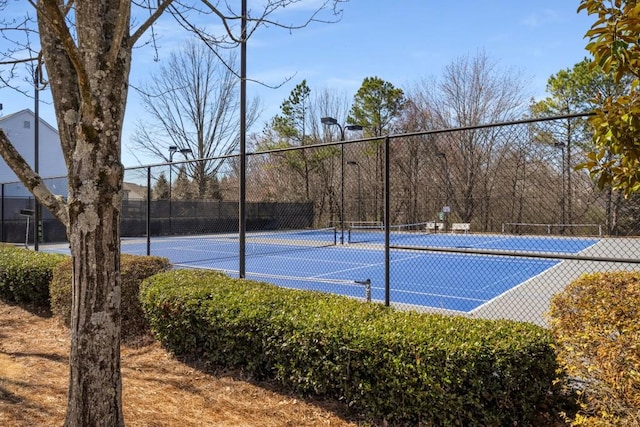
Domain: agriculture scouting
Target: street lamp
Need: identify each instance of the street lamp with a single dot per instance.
(173, 150)
(447, 189)
(354, 163)
(330, 121)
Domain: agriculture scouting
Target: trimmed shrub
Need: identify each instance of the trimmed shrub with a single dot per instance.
(133, 270)
(25, 275)
(596, 324)
(399, 367)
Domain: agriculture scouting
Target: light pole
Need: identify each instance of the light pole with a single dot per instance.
(36, 152)
(38, 85)
(447, 188)
(330, 121)
(173, 150)
(561, 146)
(354, 163)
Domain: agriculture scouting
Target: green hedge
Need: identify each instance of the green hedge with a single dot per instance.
(595, 322)
(402, 367)
(133, 270)
(25, 275)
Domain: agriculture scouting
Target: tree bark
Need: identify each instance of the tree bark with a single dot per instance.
(95, 386)
(88, 75)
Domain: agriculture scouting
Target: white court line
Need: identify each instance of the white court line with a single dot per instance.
(512, 289)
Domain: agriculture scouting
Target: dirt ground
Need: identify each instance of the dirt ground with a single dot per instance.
(158, 390)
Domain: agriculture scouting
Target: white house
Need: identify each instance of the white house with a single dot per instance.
(20, 129)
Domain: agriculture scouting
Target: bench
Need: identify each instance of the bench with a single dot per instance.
(460, 226)
(434, 226)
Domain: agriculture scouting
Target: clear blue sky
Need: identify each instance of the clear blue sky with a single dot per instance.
(401, 41)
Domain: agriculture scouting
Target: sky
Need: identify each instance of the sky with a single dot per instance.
(400, 41)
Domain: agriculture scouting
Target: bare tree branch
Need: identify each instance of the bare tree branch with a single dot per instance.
(18, 61)
(231, 40)
(162, 7)
(193, 102)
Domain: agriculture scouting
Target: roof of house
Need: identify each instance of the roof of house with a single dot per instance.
(32, 114)
(136, 191)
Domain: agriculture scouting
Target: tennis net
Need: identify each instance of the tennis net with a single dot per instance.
(376, 233)
(202, 248)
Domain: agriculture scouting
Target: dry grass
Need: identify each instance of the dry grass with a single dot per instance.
(158, 390)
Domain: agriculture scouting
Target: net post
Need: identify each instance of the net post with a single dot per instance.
(367, 288)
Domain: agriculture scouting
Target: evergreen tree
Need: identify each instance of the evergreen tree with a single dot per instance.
(213, 191)
(291, 129)
(376, 107)
(161, 189)
(182, 188)
(577, 90)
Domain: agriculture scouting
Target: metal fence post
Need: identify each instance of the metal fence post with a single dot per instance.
(2, 239)
(148, 225)
(387, 216)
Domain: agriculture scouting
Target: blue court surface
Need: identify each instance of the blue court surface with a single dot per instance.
(451, 281)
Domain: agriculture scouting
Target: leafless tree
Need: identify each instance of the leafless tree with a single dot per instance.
(193, 103)
(416, 169)
(472, 91)
(87, 47)
(312, 174)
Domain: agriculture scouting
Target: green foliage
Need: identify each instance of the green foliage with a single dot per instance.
(402, 367)
(290, 129)
(212, 190)
(613, 38)
(615, 160)
(376, 105)
(583, 88)
(183, 188)
(25, 274)
(579, 89)
(161, 189)
(133, 270)
(291, 125)
(614, 45)
(596, 325)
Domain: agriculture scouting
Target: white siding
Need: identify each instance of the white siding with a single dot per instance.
(50, 159)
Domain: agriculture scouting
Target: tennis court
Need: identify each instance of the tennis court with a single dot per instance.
(313, 260)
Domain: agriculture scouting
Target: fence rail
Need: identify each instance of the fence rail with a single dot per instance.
(506, 219)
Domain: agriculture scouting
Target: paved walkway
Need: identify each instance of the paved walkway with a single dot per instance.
(529, 301)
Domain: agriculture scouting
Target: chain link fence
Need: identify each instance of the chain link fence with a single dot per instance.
(485, 221)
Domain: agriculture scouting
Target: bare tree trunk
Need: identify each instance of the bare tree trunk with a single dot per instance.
(89, 86)
(95, 387)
